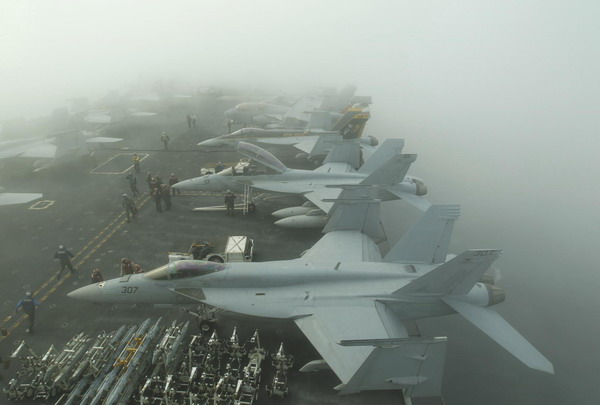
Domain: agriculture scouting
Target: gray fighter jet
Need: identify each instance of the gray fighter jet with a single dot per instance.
(349, 301)
(266, 112)
(258, 112)
(54, 149)
(315, 140)
(387, 167)
(17, 198)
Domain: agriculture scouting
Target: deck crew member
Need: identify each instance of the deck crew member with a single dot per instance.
(136, 162)
(28, 305)
(157, 195)
(229, 202)
(97, 276)
(165, 191)
(172, 181)
(132, 183)
(64, 257)
(129, 206)
(165, 140)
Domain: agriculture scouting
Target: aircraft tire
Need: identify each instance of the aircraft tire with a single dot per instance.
(216, 259)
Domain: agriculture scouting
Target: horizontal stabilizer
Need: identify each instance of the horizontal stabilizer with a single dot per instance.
(428, 240)
(457, 276)
(415, 365)
(496, 327)
(388, 149)
(391, 172)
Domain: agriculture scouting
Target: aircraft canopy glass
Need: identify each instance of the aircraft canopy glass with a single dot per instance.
(261, 156)
(184, 269)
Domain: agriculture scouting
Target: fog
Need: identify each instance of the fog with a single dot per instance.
(499, 99)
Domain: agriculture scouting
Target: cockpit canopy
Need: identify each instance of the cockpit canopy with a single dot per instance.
(184, 269)
(261, 156)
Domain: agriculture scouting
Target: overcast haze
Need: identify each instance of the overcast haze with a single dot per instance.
(498, 98)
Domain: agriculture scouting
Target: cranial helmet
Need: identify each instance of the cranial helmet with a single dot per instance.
(28, 293)
(61, 247)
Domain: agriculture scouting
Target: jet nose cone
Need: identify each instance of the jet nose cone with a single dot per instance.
(230, 113)
(209, 143)
(90, 293)
(184, 185)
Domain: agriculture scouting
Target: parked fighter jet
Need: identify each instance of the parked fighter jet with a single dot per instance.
(54, 149)
(349, 301)
(315, 140)
(17, 198)
(265, 112)
(387, 167)
(258, 112)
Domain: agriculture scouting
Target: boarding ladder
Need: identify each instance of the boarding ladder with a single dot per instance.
(247, 200)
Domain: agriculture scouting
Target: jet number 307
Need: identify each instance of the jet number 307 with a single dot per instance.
(128, 290)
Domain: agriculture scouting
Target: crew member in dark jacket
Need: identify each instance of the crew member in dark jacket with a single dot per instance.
(64, 257)
(229, 202)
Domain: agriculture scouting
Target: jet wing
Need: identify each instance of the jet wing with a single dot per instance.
(311, 144)
(304, 143)
(98, 118)
(103, 139)
(367, 347)
(18, 198)
(323, 193)
(343, 246)
(302, 109)
(41, 151)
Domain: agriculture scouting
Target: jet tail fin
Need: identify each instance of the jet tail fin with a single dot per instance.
(428, 240)
(344, 152)
(352, 123)
(414, 364)
(388, 149)
(496, 327)
(354, 211)
(455, 277)
(391, 172)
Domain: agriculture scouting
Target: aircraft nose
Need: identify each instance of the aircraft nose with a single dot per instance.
(209, 143)
(184, 185)
(91, 293)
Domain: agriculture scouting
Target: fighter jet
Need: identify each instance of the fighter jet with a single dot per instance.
(266, 112)
(387, 167)
(315, 140)
(258, 112)
(351, 303)
(17, 198)
(54, 149)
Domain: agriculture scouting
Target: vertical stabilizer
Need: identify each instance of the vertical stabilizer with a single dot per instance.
(427, 241)
(354, 211)
(388, 149)
(344, 152)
